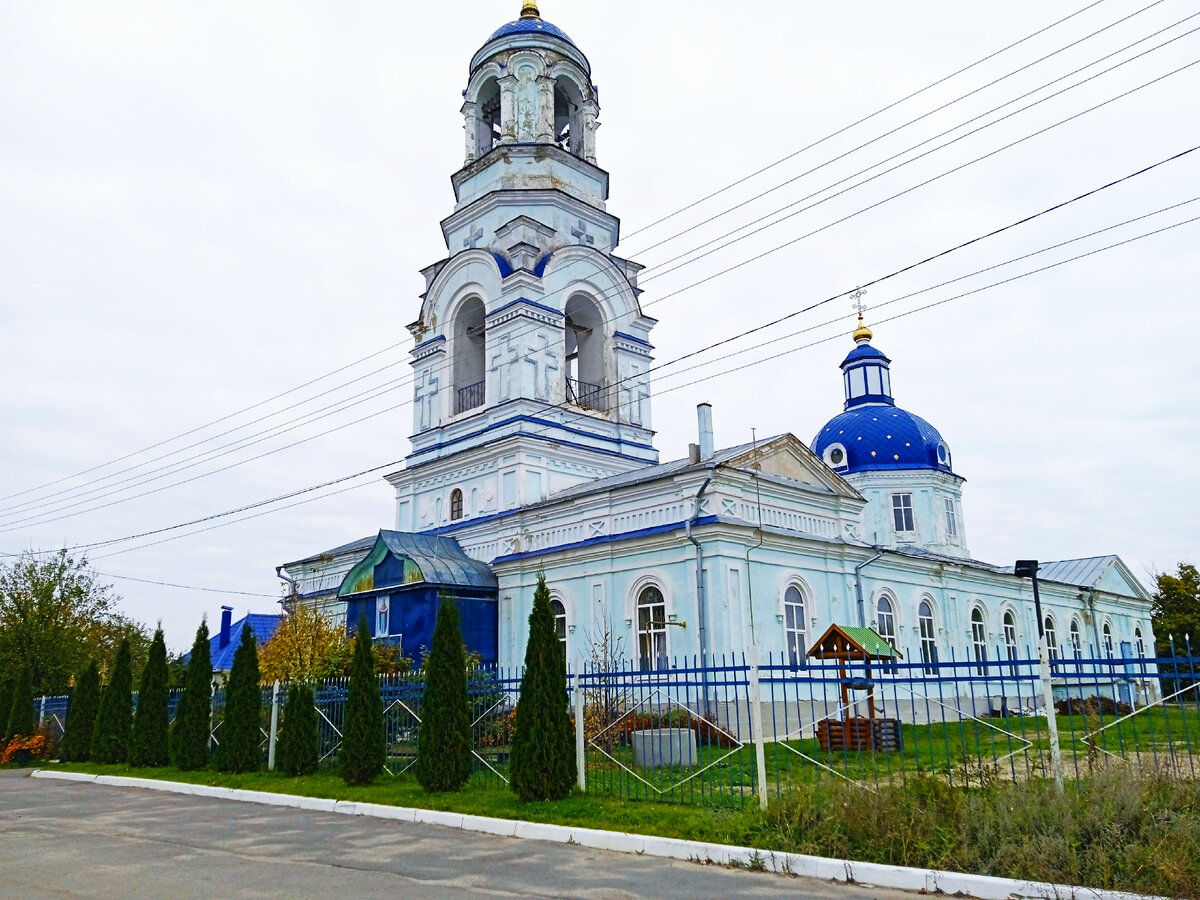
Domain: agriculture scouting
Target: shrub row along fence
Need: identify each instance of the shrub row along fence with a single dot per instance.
(735, 730)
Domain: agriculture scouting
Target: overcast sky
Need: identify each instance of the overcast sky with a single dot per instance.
(205, 205)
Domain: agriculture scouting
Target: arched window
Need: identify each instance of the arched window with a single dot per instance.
(885, 620)
(1139, 643)
(929, 654)
(560, 622)
(1010, 640)
(1051, 638)
(1076, 639)
(795, 632)
(382, 623)
(1108, 641)
(584, 352)
(468, 349)
(456, 505)
(979, 640)
(487, 117)
(652, 629)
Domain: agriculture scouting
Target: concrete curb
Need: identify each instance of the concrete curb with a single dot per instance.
(927, 881)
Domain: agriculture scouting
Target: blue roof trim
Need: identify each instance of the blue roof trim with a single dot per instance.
(536, 421)
(432, 340)
(503, 264)
(637, 340)
(549, 440)
(606, 539)
(864, 352)
(525, 301)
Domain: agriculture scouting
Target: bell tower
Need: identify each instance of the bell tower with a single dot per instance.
(532, 356)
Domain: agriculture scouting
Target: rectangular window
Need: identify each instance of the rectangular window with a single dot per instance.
(858, 383)
(902, 512)
(951, 519)
(874, 386)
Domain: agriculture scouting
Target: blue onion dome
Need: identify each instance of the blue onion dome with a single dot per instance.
(530, 22)
(873, 433)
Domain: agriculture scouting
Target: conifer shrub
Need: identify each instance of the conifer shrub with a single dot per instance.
(81, 716)
(240, 746)
(364, 746)
(299, 740)
(19, 715)
(190, 730)
(114, 718)
(148, 739)
(444, 741)
(542, 761)
(6, 698)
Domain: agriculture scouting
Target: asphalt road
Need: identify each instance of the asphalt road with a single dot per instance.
(69, 839)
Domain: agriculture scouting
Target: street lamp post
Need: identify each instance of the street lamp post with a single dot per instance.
(1028, 568)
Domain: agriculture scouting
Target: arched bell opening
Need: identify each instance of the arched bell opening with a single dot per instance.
(568, 116)
(584, 354)
(469, 345)
(488, 125)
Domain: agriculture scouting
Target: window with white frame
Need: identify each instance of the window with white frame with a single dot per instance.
(456, 505)
(794, 630)
(1108, 641)
(1139, 642)
(902, 513)
(1076, 639)
(1010, 640)
(652, 629)
(560, 622)
(928, 630)
(951, 518)
(885, 624)
(1051, 638)
(979, 640)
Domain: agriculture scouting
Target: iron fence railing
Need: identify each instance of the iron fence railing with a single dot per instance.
(728, 729)
(469, 397)
(585, 394)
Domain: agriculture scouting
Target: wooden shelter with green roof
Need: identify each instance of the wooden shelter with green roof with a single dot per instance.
(847, 644)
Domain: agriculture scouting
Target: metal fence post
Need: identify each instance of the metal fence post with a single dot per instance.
(580, 749)
(1056, 762)
(42, 712)
(756, 726)
(274, 726)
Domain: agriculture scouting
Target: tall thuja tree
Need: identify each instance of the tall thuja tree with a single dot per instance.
(298, 738)
(148, 740)
(110, 738)
(81, 716)
(6, 698)
(19, 715)
(239, 748)
(364, 745)
(444, 745)
(543, 745)
(190, 730)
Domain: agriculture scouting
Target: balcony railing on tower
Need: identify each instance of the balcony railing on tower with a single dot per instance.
(469, 397)
(589, 396)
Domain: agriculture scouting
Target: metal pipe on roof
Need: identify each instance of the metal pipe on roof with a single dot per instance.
(862, 613)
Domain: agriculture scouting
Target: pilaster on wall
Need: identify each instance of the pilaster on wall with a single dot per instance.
(525, 353)
(430, 368)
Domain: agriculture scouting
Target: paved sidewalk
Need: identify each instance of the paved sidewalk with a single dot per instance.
(79, 840)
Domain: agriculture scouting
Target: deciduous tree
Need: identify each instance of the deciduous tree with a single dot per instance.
(148, 739)
(110, 739)
(305, 647)
(444, 743)
(542, 764)
(364, 746)
(1175, 609)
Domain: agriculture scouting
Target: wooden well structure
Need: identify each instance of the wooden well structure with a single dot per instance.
(847, 645)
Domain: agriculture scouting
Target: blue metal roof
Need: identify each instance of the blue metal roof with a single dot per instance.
(425, 558)
(880, 437)
(530, 26)
(864, 351)
(263, 625)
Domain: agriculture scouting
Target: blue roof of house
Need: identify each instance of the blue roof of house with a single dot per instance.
(262, 625)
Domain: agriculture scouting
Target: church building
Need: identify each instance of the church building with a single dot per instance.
(532, 450)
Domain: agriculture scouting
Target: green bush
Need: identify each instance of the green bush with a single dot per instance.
(19, 715)
(81, 716)
(110, 738)
(148, 739)
(364, 745)
(239, 748)
(193, 716)
(542, 764)
(299, 745)
(444, 742)
(6, 698)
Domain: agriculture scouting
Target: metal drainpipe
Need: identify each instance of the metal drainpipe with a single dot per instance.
(1091, 603)
(292, 582)
(701, 600)
(862, 614)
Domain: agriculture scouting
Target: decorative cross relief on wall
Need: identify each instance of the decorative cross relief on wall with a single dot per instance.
(635, 394)
(473, 239)
(598, 528)
(425, 399)
(500, 368)
(580, 233)
(543, 363)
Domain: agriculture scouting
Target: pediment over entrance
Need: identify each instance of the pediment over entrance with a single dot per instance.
(787, 457)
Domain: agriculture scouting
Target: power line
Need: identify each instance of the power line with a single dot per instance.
(186, 587)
